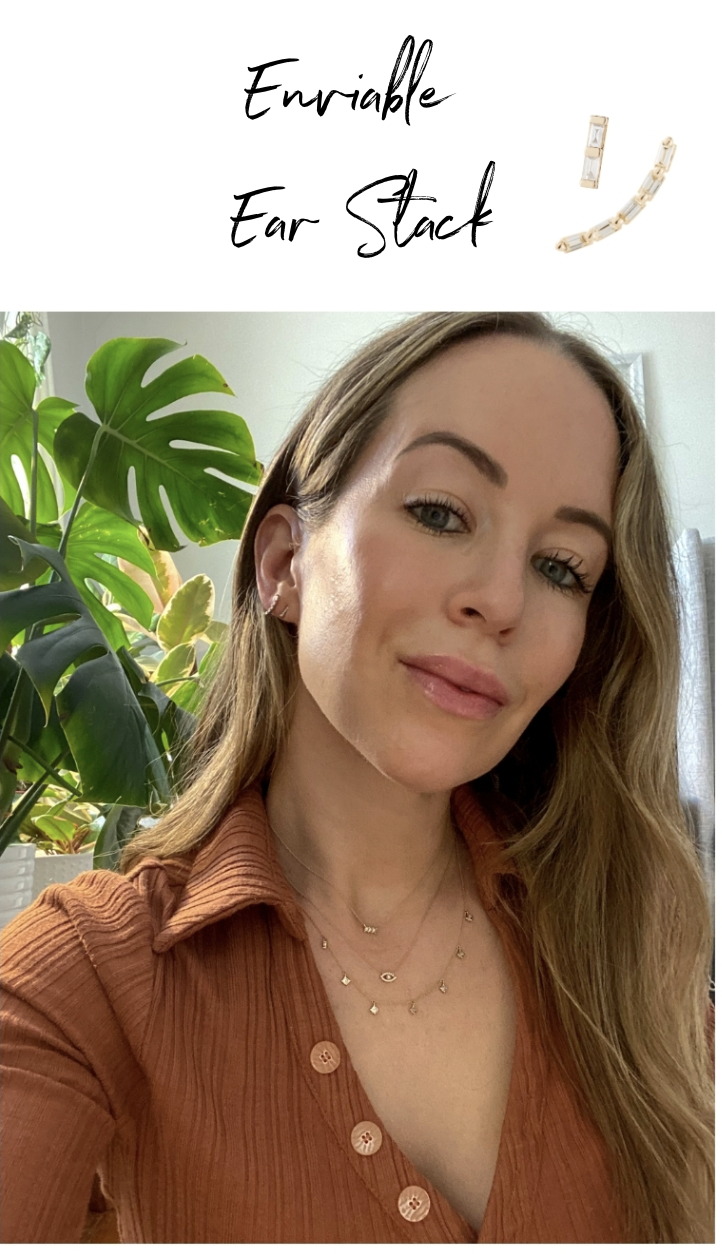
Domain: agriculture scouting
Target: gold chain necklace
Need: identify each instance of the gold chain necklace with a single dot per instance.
(387, 976)
(367, 927)
(441, 984)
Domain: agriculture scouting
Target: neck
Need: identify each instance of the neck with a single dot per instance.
(368, 836)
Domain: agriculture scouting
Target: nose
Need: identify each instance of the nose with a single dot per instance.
(494, 594)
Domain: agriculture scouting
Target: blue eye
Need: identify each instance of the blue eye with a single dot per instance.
(563, 573)
(435, 514)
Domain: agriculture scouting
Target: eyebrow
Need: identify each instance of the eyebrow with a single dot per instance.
(572, 514)
(495, 473)
(483, 461)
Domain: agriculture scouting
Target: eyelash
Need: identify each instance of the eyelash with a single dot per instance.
(582, 587)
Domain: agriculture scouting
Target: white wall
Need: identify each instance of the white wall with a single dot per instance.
(275, 361)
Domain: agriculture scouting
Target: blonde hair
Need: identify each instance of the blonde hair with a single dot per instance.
(611, 907)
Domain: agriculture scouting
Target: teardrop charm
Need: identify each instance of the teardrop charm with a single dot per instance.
(460, 953)
(374, 1008)
(413, 1008)
(345, 979)
(387, 976)
(324, 943)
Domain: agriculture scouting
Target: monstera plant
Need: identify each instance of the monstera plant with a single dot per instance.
(100, 674)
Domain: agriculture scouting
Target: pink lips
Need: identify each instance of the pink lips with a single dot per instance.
(457, 686)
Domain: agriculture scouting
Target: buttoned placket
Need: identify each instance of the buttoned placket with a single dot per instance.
(344, 1105)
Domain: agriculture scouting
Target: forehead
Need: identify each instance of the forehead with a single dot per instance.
(523, 402)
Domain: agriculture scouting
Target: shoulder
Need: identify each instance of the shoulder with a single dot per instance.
(97, 925)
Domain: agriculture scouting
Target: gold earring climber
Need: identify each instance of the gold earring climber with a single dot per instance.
(648, 189)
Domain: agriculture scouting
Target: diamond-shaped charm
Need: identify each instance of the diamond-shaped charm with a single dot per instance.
(345, 979)
(460, 953)
(443, 987)
(374, 1008)
(413, 1009)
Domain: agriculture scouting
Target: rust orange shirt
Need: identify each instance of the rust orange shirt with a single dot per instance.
(163, 1030)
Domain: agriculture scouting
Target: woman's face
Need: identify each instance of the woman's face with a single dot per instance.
(461, 555)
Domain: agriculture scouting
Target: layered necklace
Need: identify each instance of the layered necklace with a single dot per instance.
(387, 976)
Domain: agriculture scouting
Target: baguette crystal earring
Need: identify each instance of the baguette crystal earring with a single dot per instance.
(272, 606)
(594, 151)
(647, 191)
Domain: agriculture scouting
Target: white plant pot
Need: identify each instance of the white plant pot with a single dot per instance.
(59, 868)
(16, 880)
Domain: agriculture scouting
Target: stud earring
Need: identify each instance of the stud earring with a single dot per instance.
(594, 151)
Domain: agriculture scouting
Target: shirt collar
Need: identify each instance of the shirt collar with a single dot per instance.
(237, 866)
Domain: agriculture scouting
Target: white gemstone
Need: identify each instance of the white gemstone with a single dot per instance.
(603, 229)
(596, 136)
(655, 186)
(665, 155)
(573, 241)
(590, 169)
(631, 209)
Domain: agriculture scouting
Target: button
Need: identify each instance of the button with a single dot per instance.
(414, 1203)
(325, 1057)
(366, 1137)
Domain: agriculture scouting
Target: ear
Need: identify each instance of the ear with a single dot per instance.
(278, 537)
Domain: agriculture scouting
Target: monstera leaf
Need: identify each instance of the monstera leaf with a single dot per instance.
(40, 741)
(101, 718)
(206, 507)
(17, 390)
(94, 532)
(12, 571)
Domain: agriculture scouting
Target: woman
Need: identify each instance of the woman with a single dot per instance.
(421, 953)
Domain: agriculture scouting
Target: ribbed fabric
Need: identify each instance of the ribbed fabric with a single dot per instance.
(157, 1030)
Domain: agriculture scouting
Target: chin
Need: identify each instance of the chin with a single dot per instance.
(427, 768)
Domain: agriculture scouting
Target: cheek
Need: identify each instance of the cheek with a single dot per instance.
(331, 609)
(344, 584)
(558, 635)
(358, 598)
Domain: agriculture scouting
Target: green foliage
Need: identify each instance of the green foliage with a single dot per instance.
(207, 508)
(117, 756)
(99, 693)
(17, 389)
(28, 335)
(188, 614)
